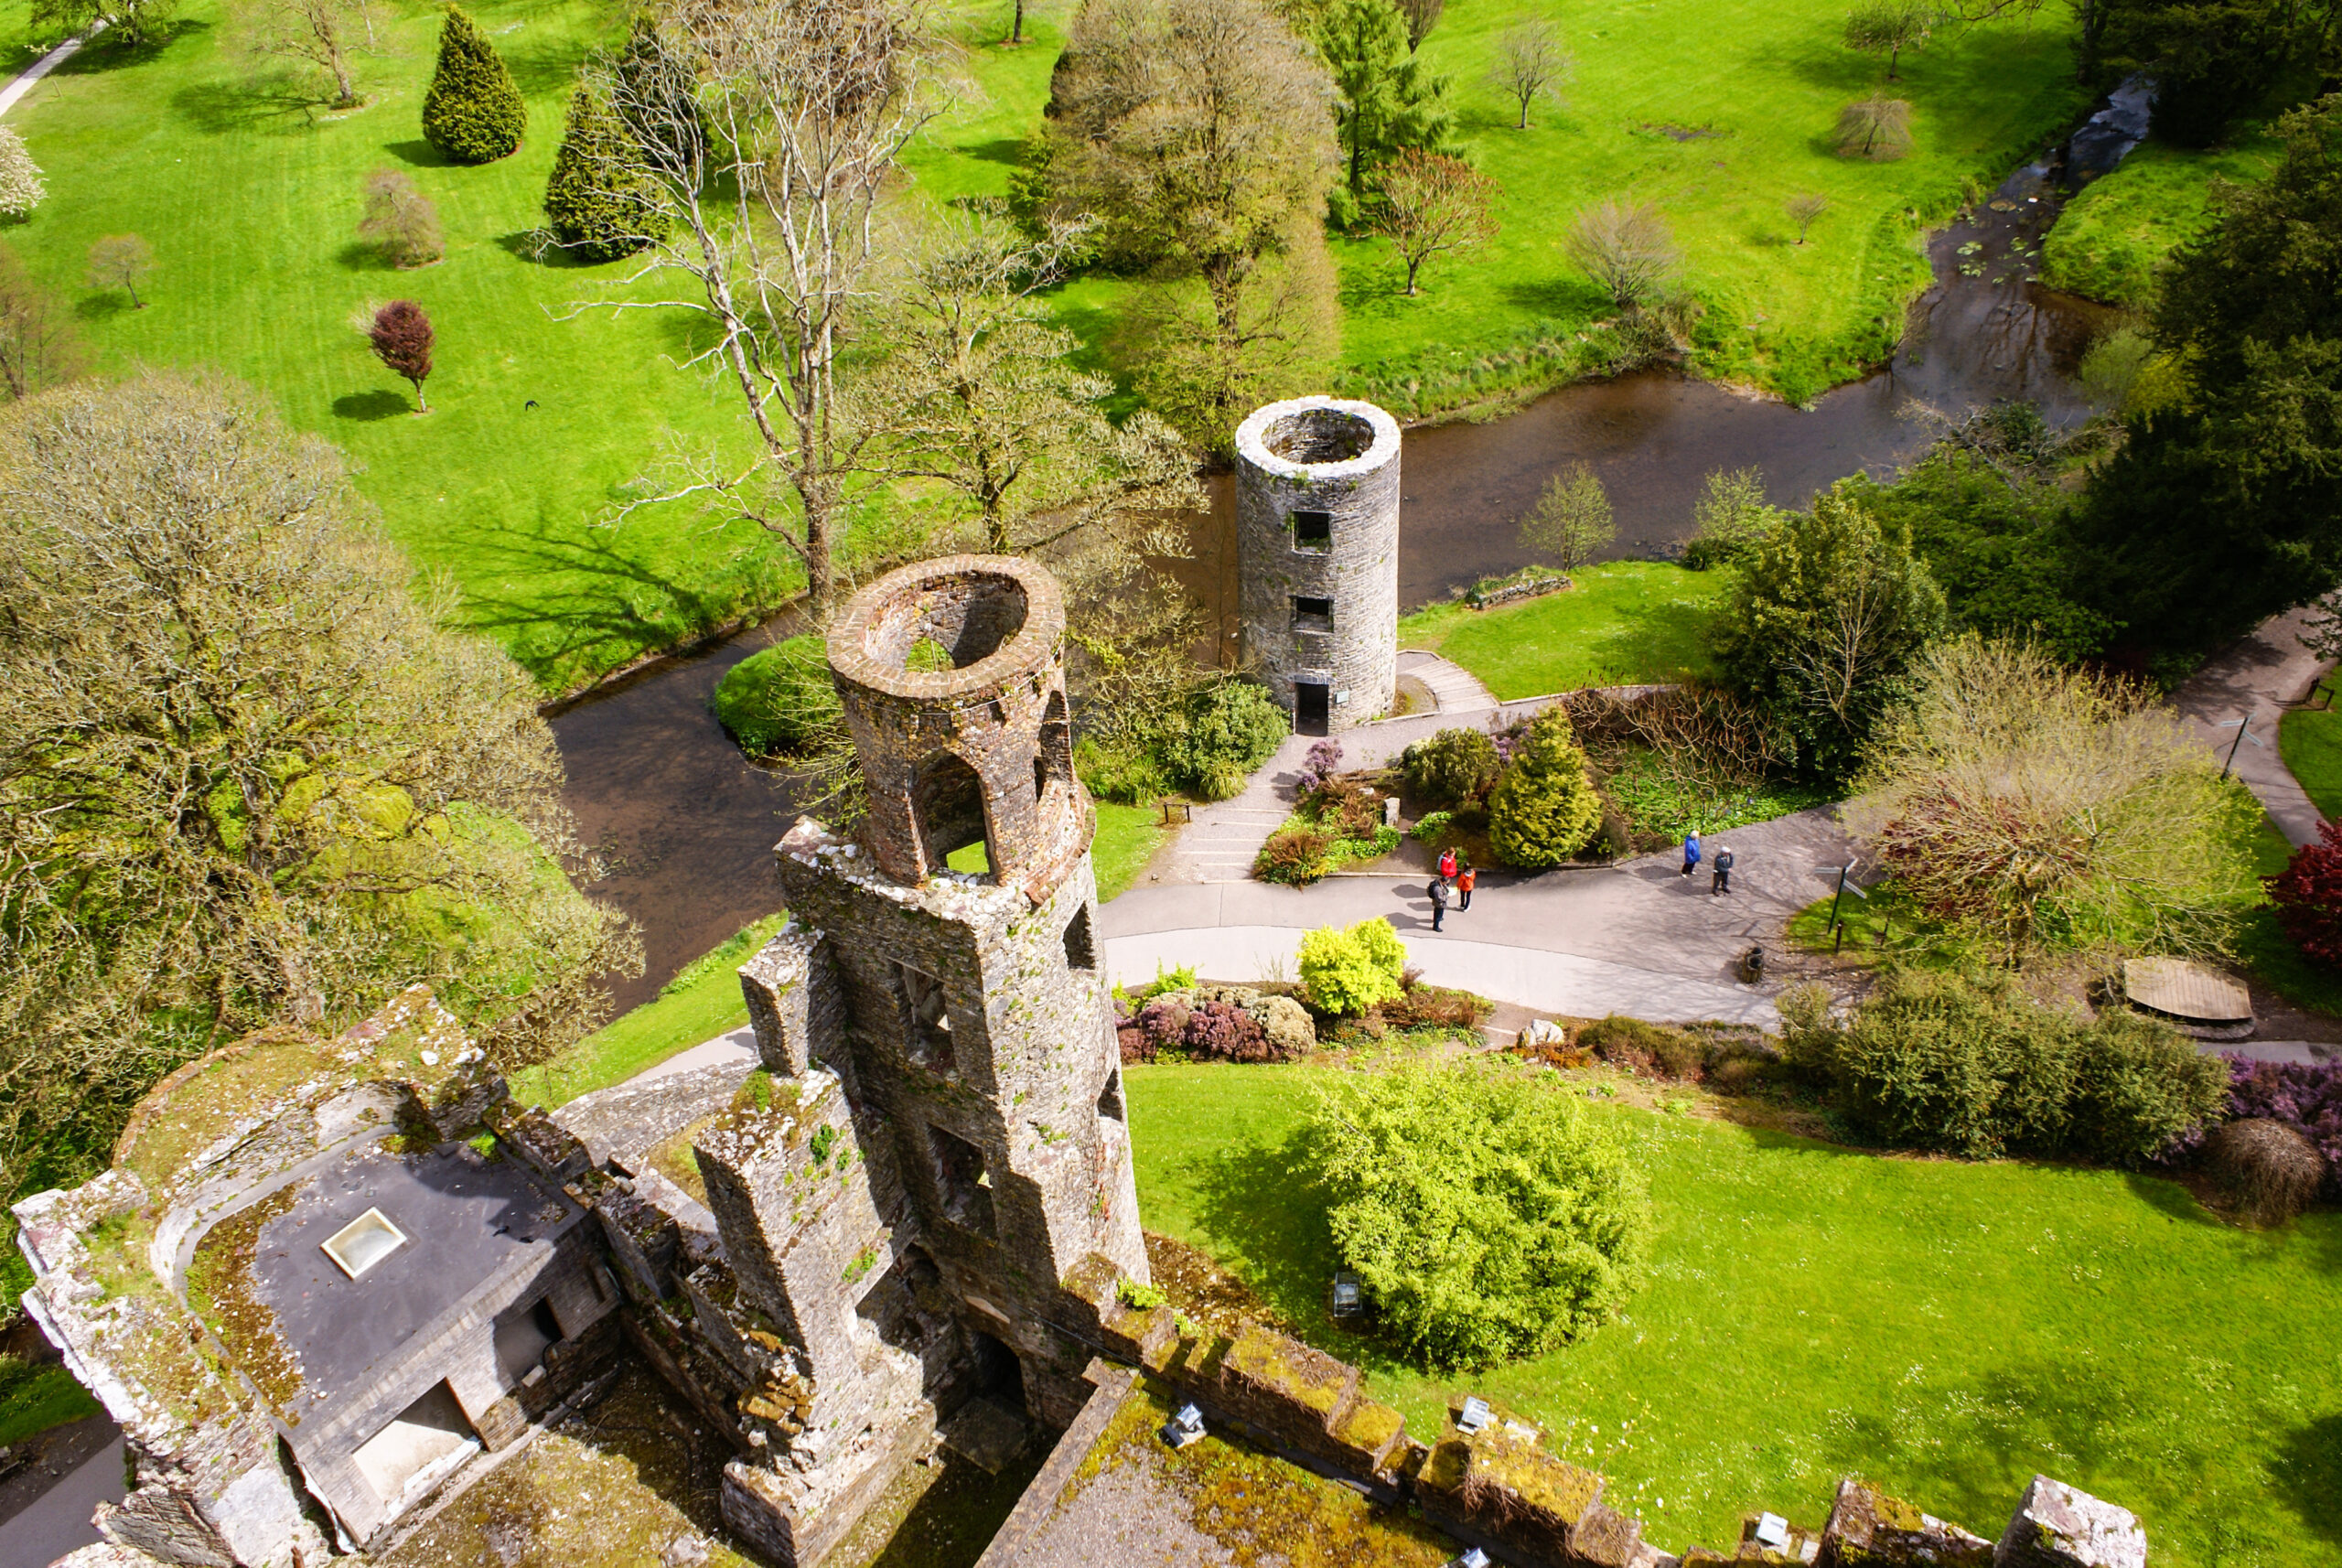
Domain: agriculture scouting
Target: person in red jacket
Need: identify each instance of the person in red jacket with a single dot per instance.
(1447, 863)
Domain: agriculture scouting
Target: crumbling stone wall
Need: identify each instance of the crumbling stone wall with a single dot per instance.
(1309, 470)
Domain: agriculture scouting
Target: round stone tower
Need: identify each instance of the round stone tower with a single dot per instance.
(1318, 557)
(977, 752)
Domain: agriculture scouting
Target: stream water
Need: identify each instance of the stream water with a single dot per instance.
(687, 826)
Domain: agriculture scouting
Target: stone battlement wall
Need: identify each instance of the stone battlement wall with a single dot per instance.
(1498, 1487)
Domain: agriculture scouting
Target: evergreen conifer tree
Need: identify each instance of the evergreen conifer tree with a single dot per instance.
(599, 203)
(1544, 809)
(473, 113)
(1388, 100)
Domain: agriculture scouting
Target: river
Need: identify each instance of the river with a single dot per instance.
(687, 826)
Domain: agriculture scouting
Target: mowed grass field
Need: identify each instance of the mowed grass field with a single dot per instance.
(2110, 238)
(1946, 1329)
(251, 204)
(1620, 623)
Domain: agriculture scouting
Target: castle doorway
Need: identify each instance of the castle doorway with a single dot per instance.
(1312, 706)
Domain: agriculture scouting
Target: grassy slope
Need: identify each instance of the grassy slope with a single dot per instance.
(250, 209)
(2310, 740)
(1624, 622)
(1768, 79)
(1944, 1328)
(44, 1397)
(2112, 237)
(252, 214)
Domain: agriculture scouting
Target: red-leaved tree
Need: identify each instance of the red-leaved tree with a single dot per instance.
(2309, 896)
(401, 339)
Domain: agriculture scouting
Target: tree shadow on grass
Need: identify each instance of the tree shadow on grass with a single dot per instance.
(2307, 1476)
(417, 154)
(1565, 295)
(104, 305)
(1009, 150)
(276, 105)
(540, 68)
(108, 53)
(360, 257)
(381, 403)
(1661, 641)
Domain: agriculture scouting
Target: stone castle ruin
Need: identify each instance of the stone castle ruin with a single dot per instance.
(330, 1280)
(1318, 557)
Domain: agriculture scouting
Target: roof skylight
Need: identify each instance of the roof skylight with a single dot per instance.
(364, 1242)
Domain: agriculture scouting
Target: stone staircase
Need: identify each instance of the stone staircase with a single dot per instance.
(1453, 689)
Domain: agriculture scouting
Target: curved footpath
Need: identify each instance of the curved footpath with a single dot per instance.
(2263, 675)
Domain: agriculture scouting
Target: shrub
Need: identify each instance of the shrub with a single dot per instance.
(1164, 1021)
(1485, 1216)
(1432, 826)
(1228, 729)
(1641, 1047)
(2309, 896)
(1452, 766)
(472, 113)
(1126, 778)
(1877, 128)
(1295, 856)
(1436, 1007)
(1969, 1064)
(2304, 1097)
(598, 206)
(2141, 1088)
(777, 698)
(1318, 770)
(1348, 971)
(1222, 1031)
(1544, 808)
(2269, 1170)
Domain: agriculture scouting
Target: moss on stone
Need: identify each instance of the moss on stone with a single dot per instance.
(220, 1289)
(1309, 1378)
(1367, 1426)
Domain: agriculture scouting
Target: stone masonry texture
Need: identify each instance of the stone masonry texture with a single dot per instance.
(1338, 460)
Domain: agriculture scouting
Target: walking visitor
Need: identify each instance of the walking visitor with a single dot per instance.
(1438, 891)
(1723, 869)
(1464, 881)
(1690, 852)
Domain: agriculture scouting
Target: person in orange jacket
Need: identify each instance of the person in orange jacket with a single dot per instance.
(1464, 880)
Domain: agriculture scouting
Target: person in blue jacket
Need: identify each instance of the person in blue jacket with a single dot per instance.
(1690, 852)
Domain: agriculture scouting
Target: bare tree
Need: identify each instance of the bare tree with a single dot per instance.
(1571, 520)
(245, 775)
(1626, 249)
(401, 336)
(1420, 16)
(1803, 209)
(1732, 516)
(2050, 807)
(310, 33)
(119, 261)
(1890, 26)
(39, 345)
(400, 220)
(1200, 133)
(1878, 129)
(766, 137)
(1530, 64)
(1431, 203)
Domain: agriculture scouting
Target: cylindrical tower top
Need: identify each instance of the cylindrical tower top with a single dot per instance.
(952, 674)
(1317, 556)
(1315, 439)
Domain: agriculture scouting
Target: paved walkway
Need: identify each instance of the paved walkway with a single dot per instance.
(25, 79)
(1635, 936)
(2264, 674)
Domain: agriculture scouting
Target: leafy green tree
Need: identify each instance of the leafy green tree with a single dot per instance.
(1824, 622)
(473, 113)
(244, 774)
(1228, 729)
(2222, 509)
(1731, 518)
(1571, 520)
(779, 698)
(1451, 766)
(598, 203)
(2213, 60)
(130, 23)
(1350, 970)
(1890, 26)
(1994, 540)
(1385, 99)
(1488, 1214)
(1546, 807)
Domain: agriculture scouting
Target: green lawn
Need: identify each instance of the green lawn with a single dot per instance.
(2110, 238)
(251, 207)
(1623, 623)
(1944, 1328)
(34, 1399)
(2310, 740)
